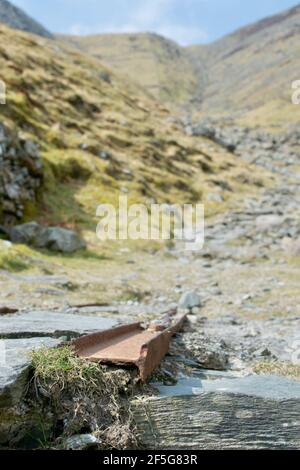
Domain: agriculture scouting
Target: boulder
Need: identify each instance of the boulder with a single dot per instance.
(59, 239)
(52, 238)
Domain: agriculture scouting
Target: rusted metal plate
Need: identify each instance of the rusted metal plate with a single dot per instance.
(132, 344)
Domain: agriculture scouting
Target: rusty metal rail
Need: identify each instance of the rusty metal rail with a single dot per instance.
(132, 344)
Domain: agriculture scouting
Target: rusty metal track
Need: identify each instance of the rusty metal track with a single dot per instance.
(132, 344)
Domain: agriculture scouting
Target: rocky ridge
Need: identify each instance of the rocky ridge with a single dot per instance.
(16, 18)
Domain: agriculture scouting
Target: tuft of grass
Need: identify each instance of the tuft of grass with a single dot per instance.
(13, 259)
(51, 364)
(285, 369)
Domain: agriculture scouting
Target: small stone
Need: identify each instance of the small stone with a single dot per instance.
(82, 442)
(105, 155)
(195, 310)
(189, 300)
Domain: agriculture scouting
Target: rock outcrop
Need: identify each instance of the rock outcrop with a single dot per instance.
(21, 175)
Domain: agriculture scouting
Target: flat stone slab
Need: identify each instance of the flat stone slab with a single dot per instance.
(257, 412)
(15, 364)
(273, 387)
(52, 324)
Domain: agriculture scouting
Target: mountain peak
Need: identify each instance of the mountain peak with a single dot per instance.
(16, 18)
(269, 22)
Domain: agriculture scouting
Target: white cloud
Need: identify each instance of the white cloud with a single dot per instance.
(148, 16)
(151, 11)
(184, 35)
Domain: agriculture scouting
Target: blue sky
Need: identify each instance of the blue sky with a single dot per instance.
(185, 21)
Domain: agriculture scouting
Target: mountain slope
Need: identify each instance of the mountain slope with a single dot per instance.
(246, 75)
(154, 62)
(249, 73)
(100, 137)
(17, 19)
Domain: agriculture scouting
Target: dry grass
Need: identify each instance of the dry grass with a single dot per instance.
(64, 101)
(156, 64)
(284, 369)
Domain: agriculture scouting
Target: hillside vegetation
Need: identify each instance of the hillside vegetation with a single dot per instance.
(101, 137)
(16, 18)
(246, 75)
(156, 63)
(249, 73)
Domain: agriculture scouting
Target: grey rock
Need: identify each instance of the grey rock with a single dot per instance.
(25, 233)
(21, 174)
(52, 324)
(52, 238)
(59, 239)
(105, 155)
(189, 300)
(82, 442)
(15, 365)
(195, 310)
(249, 413)
(32, 149)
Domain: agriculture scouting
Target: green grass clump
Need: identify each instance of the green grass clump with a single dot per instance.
(83, 397)
(51, 364)
(13, 260)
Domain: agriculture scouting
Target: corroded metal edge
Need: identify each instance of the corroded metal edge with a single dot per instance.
(152, 352)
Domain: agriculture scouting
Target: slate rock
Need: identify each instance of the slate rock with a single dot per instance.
(15, 364)
(257, 412)
(52, 324)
